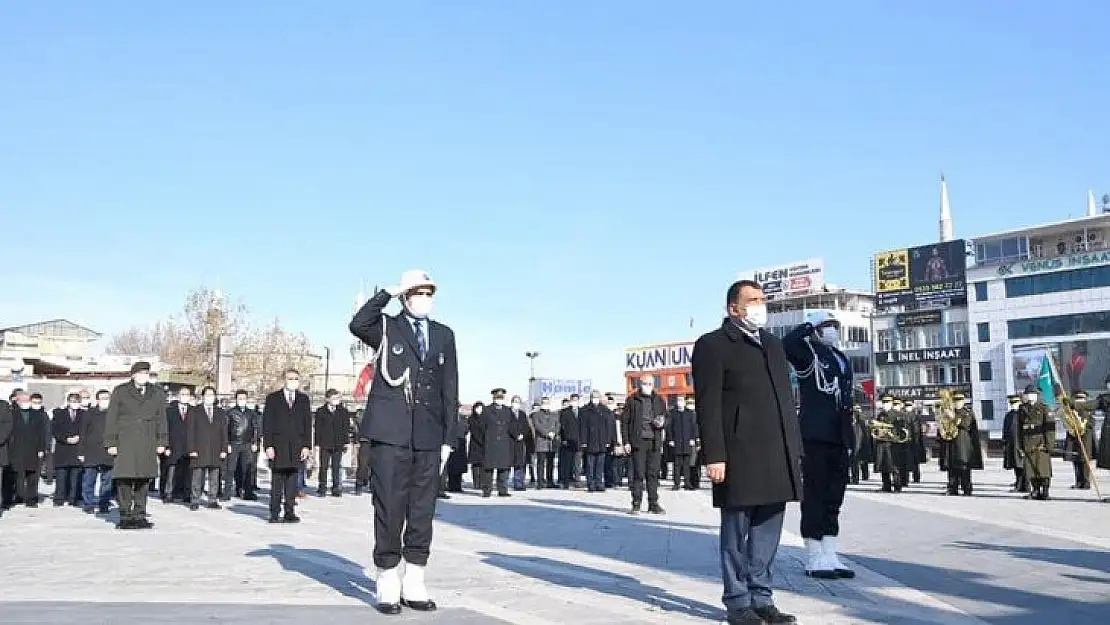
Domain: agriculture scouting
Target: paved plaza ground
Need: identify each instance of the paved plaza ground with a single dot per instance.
(557, 557)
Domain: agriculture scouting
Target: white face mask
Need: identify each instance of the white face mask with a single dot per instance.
(292, 384)
(242, 403)
(960, 404)
(690, 406)
(1030, 398)
(209, 400)
(830, 335)
(24, 405)
(185, 399)
(36, 406)
(75, 405)
(545, 406)
(499, 402)
(250, 405)
(420, 306)
(86, 402)
(104, 403)
(887, 405)
(681, 405)
(574, 404)
(478, 410)
(141, 378)
(334, 402)
(595, 400)
(646, 389)
(516, 405)
(757, 315)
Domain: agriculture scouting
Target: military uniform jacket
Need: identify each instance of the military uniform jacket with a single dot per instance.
(28, 438)
(746, 417)
(287, 429)
(92, 447)
(965, 451)
(597, 429)
(891, 457)
(136, 426)
(177, 418)
(206, 437)
(823, 418)
(1011, 432)
(1071, 443)
(331, 428)
(1038, 437)
(682, 428)
(497, 440)
(6, 426)
(64, 425)
(547, 430)
(390, 418)
(917, 453)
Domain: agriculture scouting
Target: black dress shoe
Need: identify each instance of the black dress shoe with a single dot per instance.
(443, 496)
(275, 519)
(336, 492)
(656, 509)
(292, 518)
(213, 505)
(420, 606)
(194, 506)
(125, 524)
(504, 494)
(771, 614)
(143, 524)
(744, 617)
(845, 573)
(390, 609)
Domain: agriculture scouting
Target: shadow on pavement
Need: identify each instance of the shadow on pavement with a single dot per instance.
(1092, 559)
(340, 574)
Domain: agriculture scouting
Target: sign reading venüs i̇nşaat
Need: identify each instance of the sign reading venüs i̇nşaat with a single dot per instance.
(658, 357)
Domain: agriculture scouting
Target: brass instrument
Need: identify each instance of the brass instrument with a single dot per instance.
(1074, 424)
(884, 432)
(948, 423)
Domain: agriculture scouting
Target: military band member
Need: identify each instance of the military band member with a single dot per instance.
(1011, 449)
(1103, 406)
(498, 440)
(1080, 457)
(964, 453)
(890, 458)
(909, 416)
(1038, 437)
(413, 400)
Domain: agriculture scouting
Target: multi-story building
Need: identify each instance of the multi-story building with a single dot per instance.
(667, 363)
(1036, 292)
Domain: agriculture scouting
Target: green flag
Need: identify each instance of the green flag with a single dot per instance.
(1046, 381)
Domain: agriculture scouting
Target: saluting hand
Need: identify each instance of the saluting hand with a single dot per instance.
(305, 453)
(716, 472)
(112, 451)
(270, 453)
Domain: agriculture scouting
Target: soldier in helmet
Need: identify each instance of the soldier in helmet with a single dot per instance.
(1081, 448)
(1038, 437)
(964, 453)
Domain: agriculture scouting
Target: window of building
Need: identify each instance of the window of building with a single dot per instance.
(1059, 325)
(985, 373)
(934, 374)
(689, 379)
(961, 373)
(909, 339)
(857, 334)
(1014, 248)
(658, 382)
(957, 333)
(860, 365)
(932, 336)
(886, 377)
(983, 330)
(882, 337)
(911, 376)
(980, 291)
(670, 381)
(986, 410)
(1059, 282)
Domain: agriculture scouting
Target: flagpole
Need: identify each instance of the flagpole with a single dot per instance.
(1062, 399)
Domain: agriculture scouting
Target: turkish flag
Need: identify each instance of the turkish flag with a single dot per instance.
(363, 382)
(869, 389)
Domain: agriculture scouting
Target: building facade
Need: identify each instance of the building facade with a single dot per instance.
(667, 363)
(1040, 292)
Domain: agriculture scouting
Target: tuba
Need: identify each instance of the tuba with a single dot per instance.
(884, 432)
(948, 423)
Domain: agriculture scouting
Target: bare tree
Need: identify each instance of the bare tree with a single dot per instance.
(265, 353)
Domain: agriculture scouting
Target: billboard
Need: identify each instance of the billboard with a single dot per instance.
(923, 392)
(1083, 364)
(922, 277)
(658, 357)
(790, 279)
(930, 354)
(559, 387)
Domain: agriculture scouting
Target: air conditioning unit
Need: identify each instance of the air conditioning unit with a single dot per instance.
(1036, 248)
(1096, 240)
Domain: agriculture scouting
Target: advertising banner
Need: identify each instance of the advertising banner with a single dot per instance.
(658, 357)
(924, 393)
(922, 277)
(558, 388)
(1083, 365)
(934, 354)
(790, 279)
(918, 319)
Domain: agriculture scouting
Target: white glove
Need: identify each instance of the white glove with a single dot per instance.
(444, 454)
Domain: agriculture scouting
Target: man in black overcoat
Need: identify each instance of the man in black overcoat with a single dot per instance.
(28, 446)
(135, 436)
(6, 482)
(412, 403)
(65, 428)
(208, 448)
(96, 489)
(598, 433)
(475, 449)
(332, 431)
(683, 439)
(287, 439)
(498, 440)
(752, 446)
(1011, 455)
(175, 482)
(569, 431)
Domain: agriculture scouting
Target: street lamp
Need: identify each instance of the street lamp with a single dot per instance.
(531, 356)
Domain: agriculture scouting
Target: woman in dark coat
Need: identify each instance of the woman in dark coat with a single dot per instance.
(476, 449)
(207, 444)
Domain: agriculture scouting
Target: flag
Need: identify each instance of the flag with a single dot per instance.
(1046, 381)
(363, 383)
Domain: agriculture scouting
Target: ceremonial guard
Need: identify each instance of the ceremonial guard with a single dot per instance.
(206, 441)
(825, 386)
(174, 484)
(66, 430)
(597, 436)
(475, 451)
(684, 440)
(546, 424)
(522, 441)
(645, 420)
(243, 434)
(287, 439)
(96, 490)
(1085, 437)
(1011, 449)
(135, 436)
(498, 440)
(569, 431)
(332, 432)
(961, 451)
(1038, 438)
(27, 448)
(889, 435)
(413, 401)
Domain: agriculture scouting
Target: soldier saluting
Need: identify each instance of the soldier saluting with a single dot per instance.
(412, 404)
(1037, 438)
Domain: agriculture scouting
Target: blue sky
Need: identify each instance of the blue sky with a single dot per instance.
(579, 177)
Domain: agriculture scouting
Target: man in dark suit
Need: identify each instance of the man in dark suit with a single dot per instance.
(287, 438)
(413, 400)
(752, 446)
(65, 428)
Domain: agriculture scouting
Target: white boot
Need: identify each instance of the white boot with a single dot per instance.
(413, 592)
(816, 563)
(388, 583)
(829, 546)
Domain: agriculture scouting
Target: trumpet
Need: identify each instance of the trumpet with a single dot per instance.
(886, 433)
(948, 424)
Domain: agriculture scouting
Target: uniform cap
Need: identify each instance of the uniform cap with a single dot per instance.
(142, 365)
(1080, 395)
(958, 396)
(498, 393)
(415, 278)
(818, 317)
(886, 398)
(1013, 399)
(1030, 390)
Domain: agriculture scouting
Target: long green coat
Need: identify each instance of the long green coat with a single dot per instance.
(136, 426)
(1038, 437)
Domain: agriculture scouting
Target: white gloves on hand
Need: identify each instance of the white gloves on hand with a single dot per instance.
(444, 453)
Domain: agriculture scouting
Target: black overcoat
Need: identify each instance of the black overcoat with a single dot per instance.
(6, 425)
(476, 450)
(136, 426)
(597, 427)
(746, 417)
(287, 429)
(177, 428)
(497, 444)
(457, 461)
(569, 427)
(92, 446)
(1102, 457)
(965, 451)
(206, 438)
(63, 426)
(1011, 457)
(518, 428)
(28, 439)
(682, 428)
(332, 429)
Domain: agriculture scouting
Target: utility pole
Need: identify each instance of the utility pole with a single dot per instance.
(327, 367)
(531, 356)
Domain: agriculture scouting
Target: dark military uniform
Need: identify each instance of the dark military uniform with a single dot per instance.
(863, 453)
(1080, 457)
(1011, 452)
(961, 455)
(1103, 456)
(890, 457)
(1038, 437)
(498, 441)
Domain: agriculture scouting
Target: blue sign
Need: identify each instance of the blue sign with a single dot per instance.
(553, 388)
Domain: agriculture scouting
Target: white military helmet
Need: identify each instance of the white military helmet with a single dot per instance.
(818, 317)
(414, 278)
